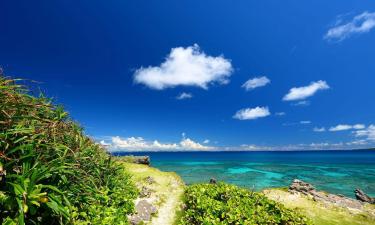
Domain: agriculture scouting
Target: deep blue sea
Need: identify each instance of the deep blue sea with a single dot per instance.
(337, 172)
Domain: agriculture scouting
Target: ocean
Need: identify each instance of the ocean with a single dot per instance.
(338, 172)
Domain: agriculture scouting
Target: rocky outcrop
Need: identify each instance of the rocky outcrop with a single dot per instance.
(145, 160)
(213, 181)
(145, 192)
(361, 196)
(149, 180)
(144, 211)
(299, 186)
(142, 160)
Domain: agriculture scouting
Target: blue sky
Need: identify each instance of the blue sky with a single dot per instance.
(202, 75)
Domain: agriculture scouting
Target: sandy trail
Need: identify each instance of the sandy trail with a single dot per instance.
(167, 190)
(167, 210)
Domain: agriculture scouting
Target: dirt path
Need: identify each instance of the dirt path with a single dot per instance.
(167, 211)
(163, 190)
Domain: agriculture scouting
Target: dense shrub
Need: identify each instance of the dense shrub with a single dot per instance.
(50, 171)
(227, 204)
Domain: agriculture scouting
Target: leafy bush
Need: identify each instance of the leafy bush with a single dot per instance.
(227, 204)
(50, 171)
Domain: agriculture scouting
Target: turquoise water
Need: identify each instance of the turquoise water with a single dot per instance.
(337, 172)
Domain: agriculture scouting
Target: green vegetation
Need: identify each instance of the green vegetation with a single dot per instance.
(227, 204)
(50, 171)
(320, 213)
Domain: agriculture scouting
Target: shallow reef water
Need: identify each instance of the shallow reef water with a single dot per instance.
(338, 172)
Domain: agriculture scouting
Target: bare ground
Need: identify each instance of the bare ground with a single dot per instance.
(166, 190)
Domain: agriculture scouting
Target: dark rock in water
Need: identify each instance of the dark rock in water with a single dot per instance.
(142, 160)
(144, 212)
(300, 186)
(361, 196)
(213, 181)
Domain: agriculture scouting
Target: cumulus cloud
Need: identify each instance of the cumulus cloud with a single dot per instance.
(300, 93)
(139, 144)
(189, 144)
(368, 133)
(342, 127)
(361, 23)
(252, 113)
(206, 141)
(104, 143)
(358, 126)
(357, 142)
(256, 82)
(185, 67)
(319, 129)
(184, 95)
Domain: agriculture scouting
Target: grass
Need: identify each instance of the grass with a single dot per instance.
(319, 213)
(50, 171)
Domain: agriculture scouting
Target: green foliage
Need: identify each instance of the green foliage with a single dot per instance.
(50, 171)
(227, 204)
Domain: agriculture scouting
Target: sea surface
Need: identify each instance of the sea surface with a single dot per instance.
(338, 172)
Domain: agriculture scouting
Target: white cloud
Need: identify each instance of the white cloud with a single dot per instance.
(302, 103)
(252, 113)
(342, 127)
(189, 144)
(368, 133)
(140, 144)
(357, 142)
(320, 145)
(184, 95)
(361, 23)
(104, 143)
(319, 129)
(206, 141)
(300, 147)
(299, 93)
(280, 113)
(185, 67)
(133, 144)
(256, 82)
(305, 122)
(358, 126)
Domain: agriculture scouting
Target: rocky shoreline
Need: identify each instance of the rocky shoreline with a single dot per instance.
(307, 189)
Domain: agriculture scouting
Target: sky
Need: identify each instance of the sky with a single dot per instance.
(201, 75)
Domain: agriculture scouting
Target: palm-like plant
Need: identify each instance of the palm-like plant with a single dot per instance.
(50, 171)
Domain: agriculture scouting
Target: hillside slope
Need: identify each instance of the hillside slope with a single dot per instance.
(50, 171)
